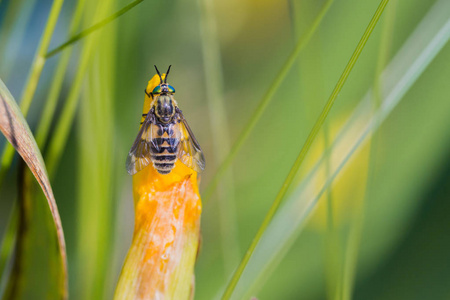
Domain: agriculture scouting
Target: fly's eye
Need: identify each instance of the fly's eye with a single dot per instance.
(157, 90)
(171, 89)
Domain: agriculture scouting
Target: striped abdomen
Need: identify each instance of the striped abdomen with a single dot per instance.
(164, 149)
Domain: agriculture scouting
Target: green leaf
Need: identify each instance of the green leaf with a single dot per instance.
(40, 240)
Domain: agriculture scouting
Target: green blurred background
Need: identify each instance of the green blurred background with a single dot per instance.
(399, 182)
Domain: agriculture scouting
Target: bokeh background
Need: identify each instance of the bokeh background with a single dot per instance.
(380, 231)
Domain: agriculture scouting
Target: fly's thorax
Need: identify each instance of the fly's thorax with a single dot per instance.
(165, 107)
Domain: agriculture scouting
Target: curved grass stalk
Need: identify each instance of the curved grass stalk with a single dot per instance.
(302, 42)
(409, 63)
(315, 130)
(33, 78)
(92, 29)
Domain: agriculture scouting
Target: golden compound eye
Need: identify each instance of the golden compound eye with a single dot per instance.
(157, 90)
(171, 89)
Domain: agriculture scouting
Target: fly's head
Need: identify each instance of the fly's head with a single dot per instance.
(164, 103)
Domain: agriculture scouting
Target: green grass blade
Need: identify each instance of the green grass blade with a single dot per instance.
(333, 243)
(302, 42)
(409, 63)
(57, 82)
(229, 290)
(92, 29)
(95, 160)
(33, 78)
(35, 212)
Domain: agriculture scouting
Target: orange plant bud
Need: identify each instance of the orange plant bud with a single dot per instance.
(160, 262)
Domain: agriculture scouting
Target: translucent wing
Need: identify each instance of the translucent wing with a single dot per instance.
(139, 155)
(190, 152)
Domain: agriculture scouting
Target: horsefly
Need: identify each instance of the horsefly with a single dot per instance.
(164, 160)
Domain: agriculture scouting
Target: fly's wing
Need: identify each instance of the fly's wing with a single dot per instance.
(189, 152)
(140, 153)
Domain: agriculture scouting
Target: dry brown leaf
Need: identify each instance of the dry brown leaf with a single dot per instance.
(15, 128)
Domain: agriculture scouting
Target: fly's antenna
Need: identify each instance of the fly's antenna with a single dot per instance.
(167, 74)
(159, 74)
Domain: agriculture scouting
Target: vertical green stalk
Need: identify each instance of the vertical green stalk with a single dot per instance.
(57, 82)
(354, 241)
(33, 78)
(105, 133)
(220, 134)
(95, 148)
(300, 12)
(333, 245)
(311, 137)
(302, 42)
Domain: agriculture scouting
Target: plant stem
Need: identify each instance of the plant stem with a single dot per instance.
(333, 246)
(302, 42)
(234, 280)
(93, 28)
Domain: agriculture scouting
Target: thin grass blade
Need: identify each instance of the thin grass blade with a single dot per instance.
(95, 203)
